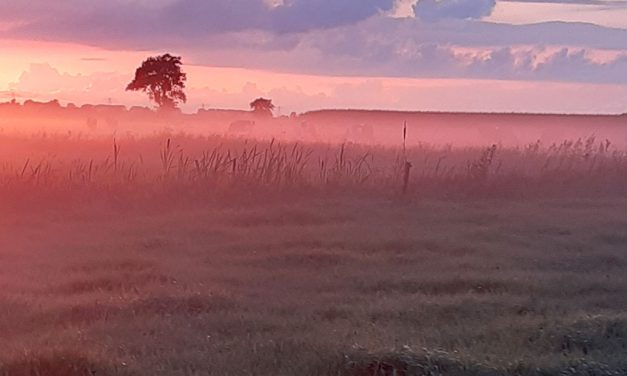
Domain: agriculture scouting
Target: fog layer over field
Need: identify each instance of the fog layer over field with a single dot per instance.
(328, 126)
(135, 242)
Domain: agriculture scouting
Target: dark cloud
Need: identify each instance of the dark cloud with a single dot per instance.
(302, 15)
(143, 23)
(581, 2)
(183, 25)
(434, 10)
(409, 48)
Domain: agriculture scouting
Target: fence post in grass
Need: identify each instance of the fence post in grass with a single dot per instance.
(406, 171)
(116, 156)
(405, 141)
(406, 164)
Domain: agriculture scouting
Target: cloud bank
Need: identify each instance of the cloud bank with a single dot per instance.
(433, 10)
(446, 39)
(383, 93)
(186, 18)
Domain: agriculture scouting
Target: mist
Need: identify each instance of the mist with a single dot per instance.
(313, 187)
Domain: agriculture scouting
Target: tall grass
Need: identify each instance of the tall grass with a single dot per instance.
(212, 165)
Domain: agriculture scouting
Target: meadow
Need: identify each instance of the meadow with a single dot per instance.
(205, 167)
(188, 255)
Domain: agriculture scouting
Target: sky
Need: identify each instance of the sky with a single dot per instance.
(558, 56)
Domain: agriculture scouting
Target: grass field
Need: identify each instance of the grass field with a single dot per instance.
(336, 285)
(64, 168)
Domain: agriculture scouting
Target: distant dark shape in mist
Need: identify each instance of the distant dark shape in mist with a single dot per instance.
(434, 10)
(162, 78)
(262, 107)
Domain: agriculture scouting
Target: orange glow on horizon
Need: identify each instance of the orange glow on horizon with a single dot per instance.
(228, 87)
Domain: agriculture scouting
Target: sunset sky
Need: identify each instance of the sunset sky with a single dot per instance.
(461, 55)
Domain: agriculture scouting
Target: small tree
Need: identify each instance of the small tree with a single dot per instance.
(161, 77)
(262, 107)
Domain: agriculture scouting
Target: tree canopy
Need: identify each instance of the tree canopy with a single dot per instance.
(161, 77)
(262, 106)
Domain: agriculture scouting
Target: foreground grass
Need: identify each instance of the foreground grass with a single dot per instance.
(317, 287)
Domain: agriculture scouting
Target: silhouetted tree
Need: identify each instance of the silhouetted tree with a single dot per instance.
(161, 77)
(262, 106)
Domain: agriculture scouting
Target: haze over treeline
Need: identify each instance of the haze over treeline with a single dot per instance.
(336, 126)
